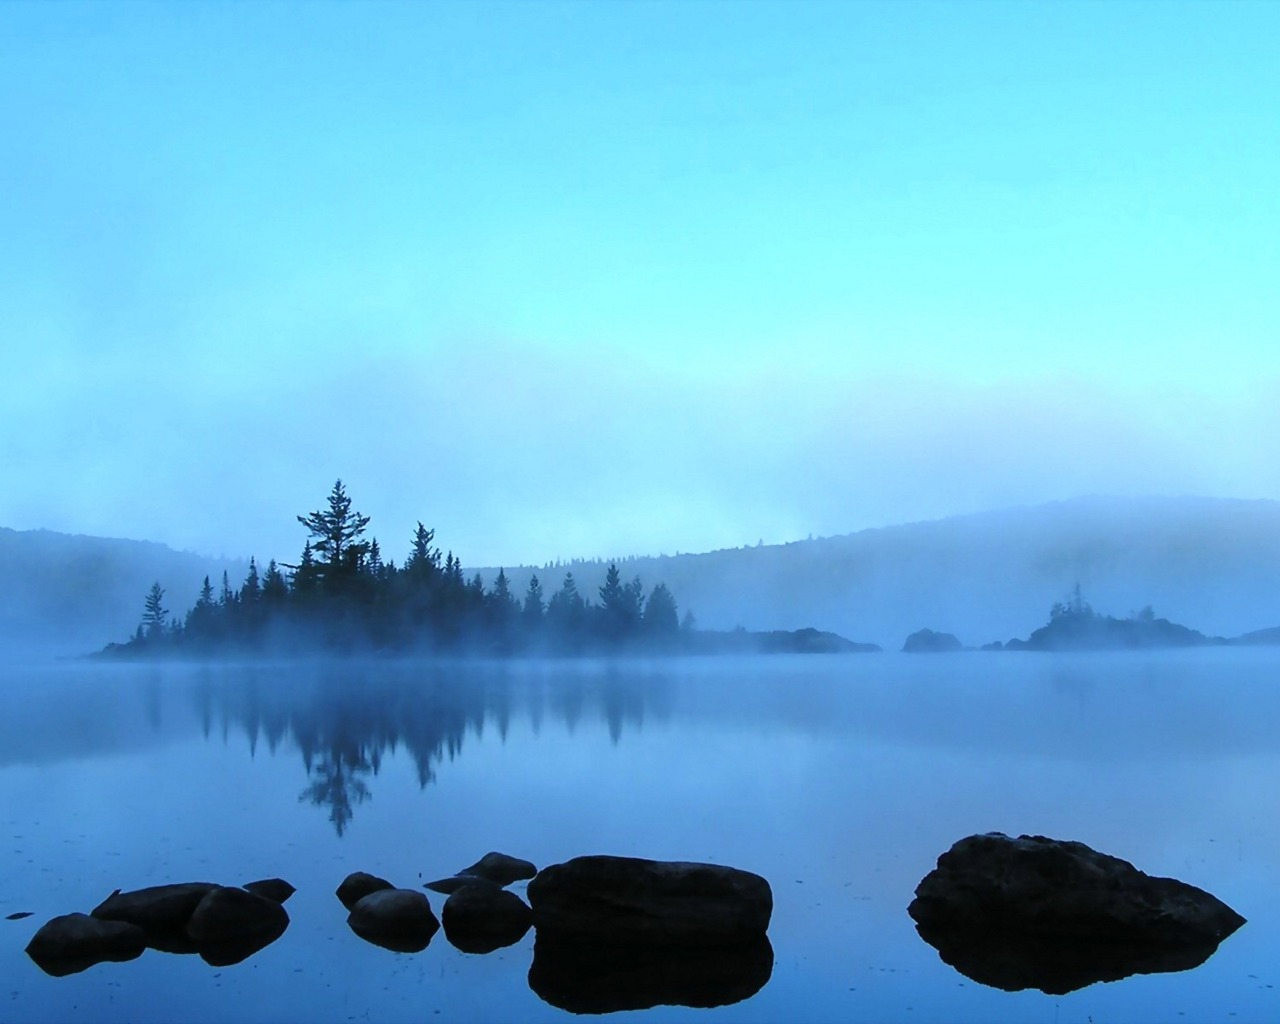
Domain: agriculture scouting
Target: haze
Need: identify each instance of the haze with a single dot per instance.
(593, 279)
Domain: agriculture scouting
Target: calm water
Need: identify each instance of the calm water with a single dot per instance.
(840, 779)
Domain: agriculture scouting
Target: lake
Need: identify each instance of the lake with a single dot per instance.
(840, 779)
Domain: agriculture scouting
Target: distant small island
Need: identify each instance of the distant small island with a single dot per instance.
(1075, 626)
(343, 597)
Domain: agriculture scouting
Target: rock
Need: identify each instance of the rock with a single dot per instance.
(453, 883)
(358, 885)
(627, 900)
(228, 915)
(482, 918)
(74, 942)
(398, 919)
(926, 641)
(158, 908)
(995, 645)
(272, 888)
(595, 977)
(1057, 915)
(19, 916)
(500, 869)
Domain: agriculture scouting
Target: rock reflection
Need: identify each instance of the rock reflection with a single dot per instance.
(594, 977)
(1055, 966)
(345, 717)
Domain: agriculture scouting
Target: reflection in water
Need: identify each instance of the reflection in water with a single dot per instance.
(344, 717)
(1053, 965)
(592, 977)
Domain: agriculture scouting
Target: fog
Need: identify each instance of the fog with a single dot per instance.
(637, 279)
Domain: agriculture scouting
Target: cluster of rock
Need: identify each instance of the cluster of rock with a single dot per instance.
(624, 933)
(613, 933)
(1035, 912)
(480, 915)
(222, 924)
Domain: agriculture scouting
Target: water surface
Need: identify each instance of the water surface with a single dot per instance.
(840, 779)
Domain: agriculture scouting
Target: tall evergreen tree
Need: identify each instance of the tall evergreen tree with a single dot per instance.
(275, 591)
(336, 531)
(532, 611)
(154, 612)
(660, 613)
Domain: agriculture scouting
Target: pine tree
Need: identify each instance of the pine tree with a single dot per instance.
(275, 591)
(337, 531)
(154, 612)
(660, 613)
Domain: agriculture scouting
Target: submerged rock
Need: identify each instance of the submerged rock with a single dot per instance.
(1057, 915)
(358, 885)
(75, 942)
(450, 885)
(501, 869)
(628, 900)
(397, 919)
(600, 977)
(482, 918)
(157, 908)
(276, 889)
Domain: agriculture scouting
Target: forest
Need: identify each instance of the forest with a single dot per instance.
(342, 596)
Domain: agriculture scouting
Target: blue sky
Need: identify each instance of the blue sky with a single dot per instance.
(598, 279)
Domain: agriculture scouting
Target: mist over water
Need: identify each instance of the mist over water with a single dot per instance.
(840, 779)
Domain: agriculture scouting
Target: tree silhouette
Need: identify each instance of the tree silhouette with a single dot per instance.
(336, 531)
(154, 612)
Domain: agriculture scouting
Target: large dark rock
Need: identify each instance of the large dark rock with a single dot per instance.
(500, 869)
(599, 977)
(481, 918)
(235, 915)
(398, 919)
(627, 900)
(357, 885)
(74, 942)
(272, 888)
(926, 641)
(1057, 915)
(157, 908)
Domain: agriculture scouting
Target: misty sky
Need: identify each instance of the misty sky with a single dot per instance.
(603, 279)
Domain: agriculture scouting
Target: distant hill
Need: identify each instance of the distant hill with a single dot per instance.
(1213, 564)
(65, 594)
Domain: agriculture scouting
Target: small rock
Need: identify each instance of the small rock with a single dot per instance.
(74, 942)
(482, 918)
(157, 908)
(18, 916)
(397, 919)
(235, 915)
(500, 869)
(358, 885)
(276, 889)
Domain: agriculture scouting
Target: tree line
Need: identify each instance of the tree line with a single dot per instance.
(343, 596)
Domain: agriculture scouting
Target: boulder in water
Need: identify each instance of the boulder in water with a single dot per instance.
(629, 900)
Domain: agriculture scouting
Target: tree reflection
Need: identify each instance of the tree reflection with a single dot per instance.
(345, 717)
